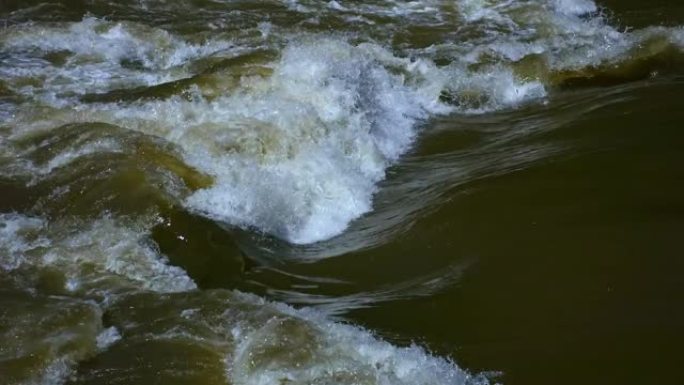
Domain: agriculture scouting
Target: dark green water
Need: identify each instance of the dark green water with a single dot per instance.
(449, 192)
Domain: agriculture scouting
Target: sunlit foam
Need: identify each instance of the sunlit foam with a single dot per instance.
(104, 248)
(299, 152)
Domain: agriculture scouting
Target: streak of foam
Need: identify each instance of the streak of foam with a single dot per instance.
(338, 305)
(64, 158)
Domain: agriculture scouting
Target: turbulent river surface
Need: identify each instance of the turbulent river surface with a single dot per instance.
(341, 192)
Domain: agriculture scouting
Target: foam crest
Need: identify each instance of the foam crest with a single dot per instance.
(331, 119)
(574, 7)
(268, 343)
(94, 55)
(541, 43)
(304, 347)
(298, 149)
(87, 255)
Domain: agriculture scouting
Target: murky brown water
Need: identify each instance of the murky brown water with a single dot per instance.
(377, 192)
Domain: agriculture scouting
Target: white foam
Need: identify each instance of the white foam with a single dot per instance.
(87, 254)
(476, 10)
(303, 347)
(18, 235)
(97, 51)
(299, 154)
(107, 338)
(574, 7)
(113, 248)
(336, 6)
(57, 372)
(563, 35)
(677, 37)
(328, 123)
(97, 39)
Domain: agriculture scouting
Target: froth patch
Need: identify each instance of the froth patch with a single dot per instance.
(54, 61)
(18, 235)
(575, 7)
(93, 39)
(493, 89)
(88, 255)
(107, 337)
(303, 347)
(304, 149)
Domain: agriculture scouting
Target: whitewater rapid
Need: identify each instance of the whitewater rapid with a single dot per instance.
(284, 129)
(298, 145)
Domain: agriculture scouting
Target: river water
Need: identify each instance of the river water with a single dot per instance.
(343, 192)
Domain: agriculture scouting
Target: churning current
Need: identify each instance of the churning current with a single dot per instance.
(277, 120)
